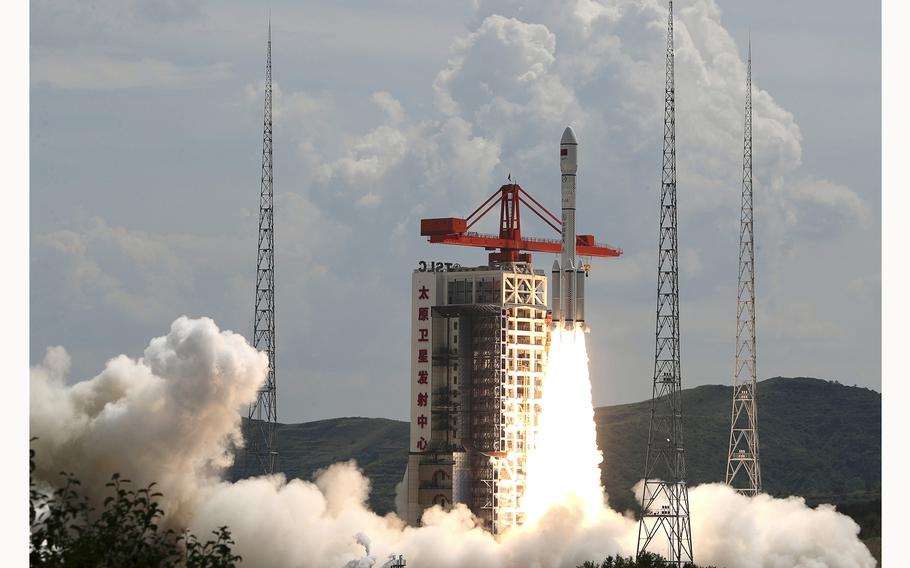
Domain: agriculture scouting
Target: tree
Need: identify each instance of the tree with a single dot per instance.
(67, 531)
(645, 560)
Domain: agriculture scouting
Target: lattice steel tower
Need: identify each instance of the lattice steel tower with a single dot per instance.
(743, 466)
(665, 497)
(263, 414)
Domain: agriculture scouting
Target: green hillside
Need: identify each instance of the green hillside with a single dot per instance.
(379, 445)
(819, 439)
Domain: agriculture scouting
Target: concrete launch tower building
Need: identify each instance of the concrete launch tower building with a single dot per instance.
(478, 359)
(479, 340)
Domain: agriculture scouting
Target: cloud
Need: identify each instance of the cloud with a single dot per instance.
(797, 320)
(431, 157)
(64, 69)
(458, 161)
(371, 144)
(147, 277)
(137, 274)
(810, 207)
(526, 70)
(165, 11)
(390, 105)
(500, 78)
(294, 109)
(310, 235)
(369, 157)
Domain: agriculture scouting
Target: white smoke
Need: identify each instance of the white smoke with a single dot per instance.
(172, 416)
(368, 560)
(757, 532)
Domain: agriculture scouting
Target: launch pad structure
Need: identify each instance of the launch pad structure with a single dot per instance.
(482, 362)
(480, 337)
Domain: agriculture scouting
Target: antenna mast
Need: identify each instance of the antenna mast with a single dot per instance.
(743, 466)
(263, 413)
(665, 497)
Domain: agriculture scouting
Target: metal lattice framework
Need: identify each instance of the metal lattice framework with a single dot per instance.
(263, 413)
(665, 497)
(743, 466)
(509, 245)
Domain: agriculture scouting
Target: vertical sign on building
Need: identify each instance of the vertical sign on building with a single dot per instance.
(423, 297)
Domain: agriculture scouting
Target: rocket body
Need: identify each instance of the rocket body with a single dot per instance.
(568, 273)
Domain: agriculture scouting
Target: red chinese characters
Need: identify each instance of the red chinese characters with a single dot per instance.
(422, 367)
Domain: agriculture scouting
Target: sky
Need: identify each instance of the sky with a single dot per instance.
(146, 134)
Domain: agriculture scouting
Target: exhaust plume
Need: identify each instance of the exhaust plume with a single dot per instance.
(170, 416)
(173, 416)
(367, 561)
(564, 468)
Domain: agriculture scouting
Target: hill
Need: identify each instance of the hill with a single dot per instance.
(819, 439)
(379, 445)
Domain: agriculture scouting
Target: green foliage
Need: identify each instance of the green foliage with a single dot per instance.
(67, 531)
(645, 560)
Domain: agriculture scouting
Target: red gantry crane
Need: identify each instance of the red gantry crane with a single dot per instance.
(509, 245)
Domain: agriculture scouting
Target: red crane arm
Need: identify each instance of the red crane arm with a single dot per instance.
(508, 246)
(585, 245)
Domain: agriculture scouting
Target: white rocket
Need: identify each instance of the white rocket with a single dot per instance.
(568, 282)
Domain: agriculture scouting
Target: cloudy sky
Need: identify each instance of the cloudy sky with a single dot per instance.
(146, 122)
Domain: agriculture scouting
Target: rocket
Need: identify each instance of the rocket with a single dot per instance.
(568, 282)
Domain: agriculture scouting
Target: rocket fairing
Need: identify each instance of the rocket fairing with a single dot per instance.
(568, 282)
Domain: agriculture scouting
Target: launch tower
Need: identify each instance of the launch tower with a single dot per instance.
(743, 466)
(478, 361)
(665, 497)
(263, 414)
(479, 339)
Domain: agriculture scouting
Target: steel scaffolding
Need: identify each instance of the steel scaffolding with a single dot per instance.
(263, 414)
(743, 465)
(665, 497)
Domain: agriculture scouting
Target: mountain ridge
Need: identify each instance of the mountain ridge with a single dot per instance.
(819, 439)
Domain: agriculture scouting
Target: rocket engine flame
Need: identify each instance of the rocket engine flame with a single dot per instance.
(564, 467)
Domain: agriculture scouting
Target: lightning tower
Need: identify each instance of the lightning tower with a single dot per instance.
(263, 413)
(743, 466)
(665, 497)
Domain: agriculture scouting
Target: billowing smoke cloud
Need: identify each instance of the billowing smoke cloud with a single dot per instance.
(173, 416)
(733, 530)
(368, 560)
(170, 416)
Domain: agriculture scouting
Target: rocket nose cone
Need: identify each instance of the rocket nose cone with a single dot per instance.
(568, 136)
